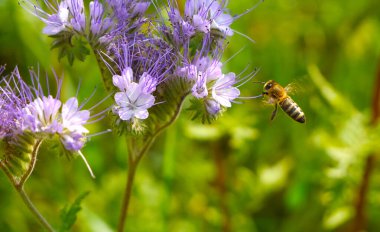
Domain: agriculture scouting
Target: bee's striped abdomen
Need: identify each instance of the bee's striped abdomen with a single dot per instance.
(293, 110)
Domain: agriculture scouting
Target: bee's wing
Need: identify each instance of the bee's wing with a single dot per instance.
(299, 86)
(293, 88)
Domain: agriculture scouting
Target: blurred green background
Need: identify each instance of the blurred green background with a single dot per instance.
(243, 172)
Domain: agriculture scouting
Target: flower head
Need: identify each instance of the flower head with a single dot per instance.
(58, 21)
(208, 15)
(41, 115)
(134, 102)
(142, 67)
(99, 23)
(128, 14)
(210, 84)
(26, 109)
(78, 18)
(14, 95)
(223, 91)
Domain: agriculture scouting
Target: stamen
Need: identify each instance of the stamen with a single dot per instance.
(88, 166)
(99, 133)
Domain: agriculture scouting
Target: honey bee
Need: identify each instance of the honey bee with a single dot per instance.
(278, 95)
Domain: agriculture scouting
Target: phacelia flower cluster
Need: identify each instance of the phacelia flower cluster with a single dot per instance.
(73, 25)
(196, 41)
(141, 66)
(182, 49)
(69, 17)
(26, 109)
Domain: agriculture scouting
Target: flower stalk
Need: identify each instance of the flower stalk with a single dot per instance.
(133, 161)
(19, 182)
(34, 210)
(134, 156)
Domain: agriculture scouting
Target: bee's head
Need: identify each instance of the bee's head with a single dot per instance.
(267, 86)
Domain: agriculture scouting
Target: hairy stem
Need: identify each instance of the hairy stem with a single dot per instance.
(127, 193)
(19, 183)
(134, 157)
(34, 210)
(133, 161)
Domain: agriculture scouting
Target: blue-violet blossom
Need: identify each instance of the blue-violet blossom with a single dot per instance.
(142, 64)
(27, 109)
(210, 84)
(206, 15)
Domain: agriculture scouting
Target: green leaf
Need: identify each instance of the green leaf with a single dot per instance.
(79, 49)
(71, 47)
(69, 213)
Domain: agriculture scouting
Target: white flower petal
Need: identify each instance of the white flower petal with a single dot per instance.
(142, 114)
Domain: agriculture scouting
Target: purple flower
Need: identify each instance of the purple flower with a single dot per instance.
(14, 95)
(56, 23)
(201, 24)
(78, 19)
(73, 141)
(68, 18)
(211, 67)
(45, 117)
(212, 107)
(133, 103)
(41, 116)
(139, 8)
(210, 84)
(180, 30)
(128, 13)
(26, 109)
(188, 71)
(73, 118)
(143, 63)
(123, 81)
(135, 99)
(148, 83)
(9, 113)
(199, 89)
(223, 91)
(206, 15)
(99, 25)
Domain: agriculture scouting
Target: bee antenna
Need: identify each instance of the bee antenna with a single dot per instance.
(260, 82)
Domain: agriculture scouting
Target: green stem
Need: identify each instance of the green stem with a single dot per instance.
(127, 193)
(34, 210)
(168, 172)
(134, 159)
(18, 184)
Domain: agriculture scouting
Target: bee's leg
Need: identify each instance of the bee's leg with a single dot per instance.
(274, 112)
